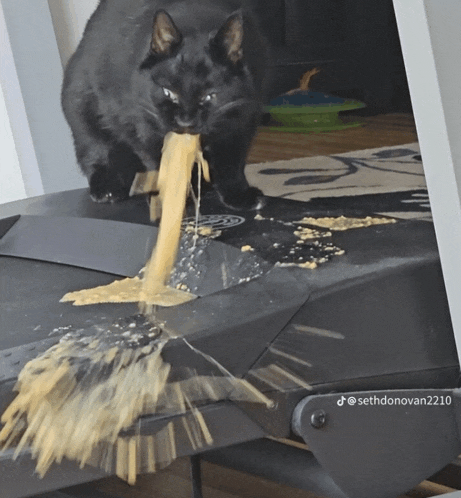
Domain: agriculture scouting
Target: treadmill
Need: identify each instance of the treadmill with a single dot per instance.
(369, 326)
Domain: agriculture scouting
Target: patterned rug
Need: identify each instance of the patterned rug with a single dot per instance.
(387, 181)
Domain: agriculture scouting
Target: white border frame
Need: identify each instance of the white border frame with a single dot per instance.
(431, 43)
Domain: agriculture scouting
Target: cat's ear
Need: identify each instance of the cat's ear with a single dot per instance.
(165, 35)
(229, 39)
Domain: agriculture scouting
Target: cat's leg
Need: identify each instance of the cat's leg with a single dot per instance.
(109, 164)
(227, 159)
(111, 181)
(109, 168)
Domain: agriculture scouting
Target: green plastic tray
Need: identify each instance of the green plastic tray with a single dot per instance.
(312, 118)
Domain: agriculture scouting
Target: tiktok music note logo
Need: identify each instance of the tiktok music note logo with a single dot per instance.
(351, 401)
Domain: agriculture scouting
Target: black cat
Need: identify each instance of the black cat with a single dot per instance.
(147, 67)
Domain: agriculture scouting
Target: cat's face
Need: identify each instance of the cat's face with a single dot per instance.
(198, 84)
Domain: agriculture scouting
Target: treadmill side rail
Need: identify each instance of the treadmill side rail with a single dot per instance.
(381, 443)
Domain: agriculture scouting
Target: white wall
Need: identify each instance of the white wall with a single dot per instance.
(69, 20)
(12, 184)
(42, 159)
(431, 43)
(19, 172)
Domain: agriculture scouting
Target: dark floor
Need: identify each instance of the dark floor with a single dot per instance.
(377, 131)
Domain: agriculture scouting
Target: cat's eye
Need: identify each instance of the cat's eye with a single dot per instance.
(209, 97)
(171, 95)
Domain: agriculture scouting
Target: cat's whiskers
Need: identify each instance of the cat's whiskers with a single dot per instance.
(220, 115)
(231, 105)
(153, 113)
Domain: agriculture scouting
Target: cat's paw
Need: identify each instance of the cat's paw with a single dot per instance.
(106, 187)
(251, 199)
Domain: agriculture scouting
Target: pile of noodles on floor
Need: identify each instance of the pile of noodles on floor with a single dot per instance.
(76, 400)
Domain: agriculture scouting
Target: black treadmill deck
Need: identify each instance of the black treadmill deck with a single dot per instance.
(385, 294)
(374, 318)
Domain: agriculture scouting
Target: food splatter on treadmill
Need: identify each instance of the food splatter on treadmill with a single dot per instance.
(180, 153)
(80, 399)
(313, 245)
(345, 223)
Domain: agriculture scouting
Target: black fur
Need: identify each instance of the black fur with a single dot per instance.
(147, 67)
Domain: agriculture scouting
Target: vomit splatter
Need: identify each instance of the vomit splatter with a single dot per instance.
(345, 223)
(309, 233)
(202, 230)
